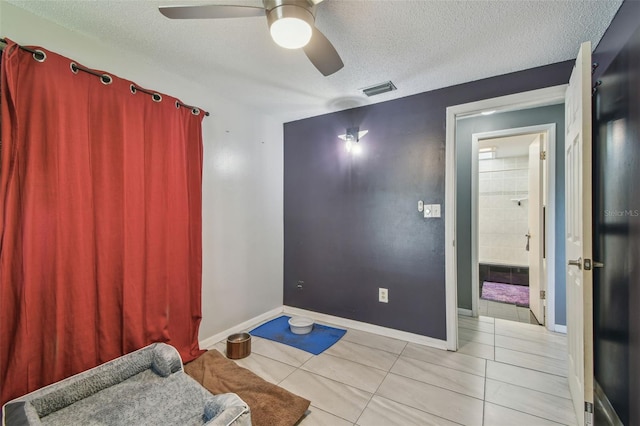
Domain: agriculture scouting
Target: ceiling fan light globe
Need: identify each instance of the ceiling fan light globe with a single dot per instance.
(291, 33)
(291, 25)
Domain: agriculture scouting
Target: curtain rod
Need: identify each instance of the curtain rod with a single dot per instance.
(3, 44)
(105, 78)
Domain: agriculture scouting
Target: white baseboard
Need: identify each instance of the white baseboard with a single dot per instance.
(560, 328)
(371, 328)
(210, 341)
(465, 312)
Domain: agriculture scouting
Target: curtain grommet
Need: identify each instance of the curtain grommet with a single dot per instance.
(106, 79)
(74, 67)
(195, 111)
(156, 97)
(133, 89)
(177, 105)
(39, 55)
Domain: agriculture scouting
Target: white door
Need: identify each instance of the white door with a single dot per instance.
(578, 235)
(534, 236)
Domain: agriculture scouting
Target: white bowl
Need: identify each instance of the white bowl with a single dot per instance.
(300, 325)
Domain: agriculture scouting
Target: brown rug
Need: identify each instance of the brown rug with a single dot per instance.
(270, 404)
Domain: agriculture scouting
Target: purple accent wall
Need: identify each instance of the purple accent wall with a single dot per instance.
(620, 30)
(351, 223)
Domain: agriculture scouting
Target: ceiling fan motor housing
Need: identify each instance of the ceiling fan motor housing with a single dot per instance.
(301, 9)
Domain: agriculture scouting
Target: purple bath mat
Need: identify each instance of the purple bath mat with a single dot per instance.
(506, 293)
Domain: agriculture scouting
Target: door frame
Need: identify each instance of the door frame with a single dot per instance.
(535, 98)
(550, 131)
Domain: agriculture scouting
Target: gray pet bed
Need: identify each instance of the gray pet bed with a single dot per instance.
(145, 387)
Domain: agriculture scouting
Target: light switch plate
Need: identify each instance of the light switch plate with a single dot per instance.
(428, 210)
(435, 210)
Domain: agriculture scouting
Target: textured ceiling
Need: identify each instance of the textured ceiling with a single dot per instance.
(419, 45)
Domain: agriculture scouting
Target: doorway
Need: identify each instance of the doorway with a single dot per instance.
(512, 172)
(459, 202)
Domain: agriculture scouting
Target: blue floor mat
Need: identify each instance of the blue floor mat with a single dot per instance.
(320, 339)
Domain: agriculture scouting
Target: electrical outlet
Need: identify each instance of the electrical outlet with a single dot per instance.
(383, 295)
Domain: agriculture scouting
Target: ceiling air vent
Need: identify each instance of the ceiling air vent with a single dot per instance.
(387, 86)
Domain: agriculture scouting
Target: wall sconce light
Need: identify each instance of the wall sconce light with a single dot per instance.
(352, 137)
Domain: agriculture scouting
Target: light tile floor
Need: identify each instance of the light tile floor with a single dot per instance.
(506, 311)
(505, 373)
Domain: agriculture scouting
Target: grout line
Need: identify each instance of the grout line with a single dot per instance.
(442, 387)
(304, 363)
(484, 394)
(494, 351)
(537, 333)
(528, 414)
(465, 343)
(288, 375)
(318, 408)
(404, 350)
(437, 386)
(417, 409)
(374, 347)
(343, 383)
(536, 337)
(552, 344)
(330, 413)
(445, 366)
(544, 353)
(390, 398)
(442, 366)
(473, 329)
(358, 362)
(533, 369)
(274, 359)
(537, 327)
(378, 388)
(334, 380)
(478, 331)
(531, 389)
(346, 359)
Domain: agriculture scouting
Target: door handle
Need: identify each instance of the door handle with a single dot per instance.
(577, 263)
(528, 235)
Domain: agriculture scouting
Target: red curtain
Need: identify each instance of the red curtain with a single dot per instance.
(100, 221)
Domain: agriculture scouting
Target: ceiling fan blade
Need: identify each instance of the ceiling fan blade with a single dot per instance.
(322, 54)
(210, 11)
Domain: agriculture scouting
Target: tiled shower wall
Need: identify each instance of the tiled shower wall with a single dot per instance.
(502, 223)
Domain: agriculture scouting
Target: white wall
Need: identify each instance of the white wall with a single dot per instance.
(242, 175)
(502, 223)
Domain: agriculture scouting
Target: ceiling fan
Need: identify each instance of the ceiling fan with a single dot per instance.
(291, 23)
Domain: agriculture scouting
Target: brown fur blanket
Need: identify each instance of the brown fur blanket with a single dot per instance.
(270, 404)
